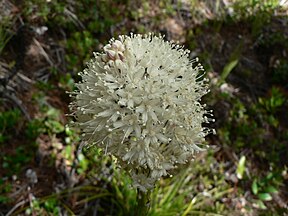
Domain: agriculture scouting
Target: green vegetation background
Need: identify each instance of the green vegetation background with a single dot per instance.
(243, 45)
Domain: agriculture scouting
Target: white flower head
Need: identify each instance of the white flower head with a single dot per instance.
(139, 100)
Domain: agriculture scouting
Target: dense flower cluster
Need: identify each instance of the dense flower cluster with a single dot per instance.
(139, 100)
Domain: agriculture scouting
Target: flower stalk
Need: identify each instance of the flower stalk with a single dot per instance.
(143, 203)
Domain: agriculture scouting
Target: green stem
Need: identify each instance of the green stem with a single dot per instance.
(143, 201)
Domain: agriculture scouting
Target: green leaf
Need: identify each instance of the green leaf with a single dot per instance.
(254, 187)
(271, 189)
(260, 204)
(265, 196)
(228, 68)
(241, 167)
(4, 199)
(68, 152)
(232, 63)
(269, 176)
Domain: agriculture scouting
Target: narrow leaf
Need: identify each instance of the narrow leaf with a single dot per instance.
(260, 204)
(271, 189)
(241, 167)
(254, 187)
(265, 196)
(227, 69)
